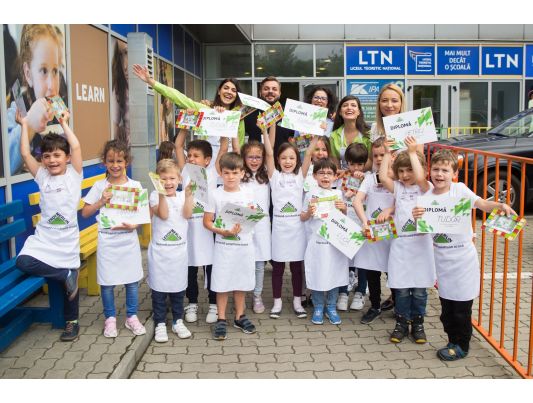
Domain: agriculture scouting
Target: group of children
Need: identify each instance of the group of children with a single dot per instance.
(188, 234)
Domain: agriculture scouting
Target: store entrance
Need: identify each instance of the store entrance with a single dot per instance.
(298, 90)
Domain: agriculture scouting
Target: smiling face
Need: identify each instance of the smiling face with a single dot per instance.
(196, 157)
(55, 162)
(170, 179)
(116, 164)
(320, 151)
(42, 73)
(232, 179)
(271, 91)
(442, 174)
(254, 159)
(349, 110)
(325, 178)
(320, 98)
(287, 160)
(390, 103)
(406, 176)
(227, 93)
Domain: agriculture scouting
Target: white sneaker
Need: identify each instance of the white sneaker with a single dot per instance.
(161, 335)
(191, 313)
(342, 302)
(358, 302)
(212, 314)
(180, 329)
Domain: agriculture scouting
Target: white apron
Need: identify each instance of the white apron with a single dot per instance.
(374, 255)
(167, 252)
(58, 227)
(200, 240)
(288, 244)
(262, 230)
(326, 267)
(234, 257)
(310, 181)
(118, 256)
(411, 259)
(456, 258)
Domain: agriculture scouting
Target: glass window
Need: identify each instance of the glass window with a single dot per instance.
(179, 80)
(197, 64)
(425, 96)
(189, 53)
(197, 89)
(283, 60)
(212, 85)
(179, 50)
(189, 86)
(329, 60)
(228, 61)
(505, 101)
(473, 104)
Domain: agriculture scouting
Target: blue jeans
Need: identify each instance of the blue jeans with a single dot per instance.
(159, 305)
(132, 299)
(410, 302)
(361, 282)
(330, 300)
(259, 277)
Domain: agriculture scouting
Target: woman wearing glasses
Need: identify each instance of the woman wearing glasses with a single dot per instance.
(323, 97)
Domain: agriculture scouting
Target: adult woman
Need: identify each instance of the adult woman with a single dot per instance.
(349, 127)
(391, 101)
(323, 97)
(226, 97)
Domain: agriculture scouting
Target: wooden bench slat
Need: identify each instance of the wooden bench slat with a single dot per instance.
(19, 293)
(10, 280)
(88, 250)
(21, 321)
(11, 209)
(8, 231)
(7, 266)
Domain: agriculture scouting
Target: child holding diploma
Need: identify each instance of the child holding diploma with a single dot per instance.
(233, 256)
(411, 265)
(456, 259)
(326, 268)
(167, 252)
(118, 256)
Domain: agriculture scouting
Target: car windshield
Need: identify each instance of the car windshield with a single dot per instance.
(520, 125)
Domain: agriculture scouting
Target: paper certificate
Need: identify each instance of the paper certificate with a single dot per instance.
(190, 122)
(253, 102)
(342, 232)
(232, 214)
(499, 224)
(124, 198)
(219, 124)
(198, 180)
(450, 215)
(418, 124)
(156, 181)
(305, 118)
(324, 205)
(380, 232)
(271, 116)
(350, 182)
(57, 105)
(113, 217)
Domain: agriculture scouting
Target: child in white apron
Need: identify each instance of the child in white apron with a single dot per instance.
(233, 257)
(411, 264)
(167, 252)
(118, 256)
(456, 259)
(256, 182)
(373, 257)
(59, 190)
(200, 241)
(356, 157)
(288, 239)
(326, 268)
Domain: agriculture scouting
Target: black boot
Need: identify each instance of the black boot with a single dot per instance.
(400, 330)
(417, 329)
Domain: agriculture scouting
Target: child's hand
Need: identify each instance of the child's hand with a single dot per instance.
(388, 144)
(20, 119)
(234, 231)
(219, 109)
(366, 230)
(323, 126)
(358, 175)
(190, 111)
(65, 116)
(340, 205)
(349, 194)
(418, 212)
(206, 102)
(382, 217)
(261, 123)
(188, 190)
(106, 196)
(507, 210)
(341, 173)
(311, 208)
(39, 115)
(411, 144)
(125, 227)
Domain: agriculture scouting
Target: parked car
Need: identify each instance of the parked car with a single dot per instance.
(514, 137)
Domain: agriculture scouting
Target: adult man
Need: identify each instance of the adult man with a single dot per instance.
(269, 91)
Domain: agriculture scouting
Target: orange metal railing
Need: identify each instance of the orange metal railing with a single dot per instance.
(504, 311)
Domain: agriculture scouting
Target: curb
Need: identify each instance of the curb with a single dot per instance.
(134, 353)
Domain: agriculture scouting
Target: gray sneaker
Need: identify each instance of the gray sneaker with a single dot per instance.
(71, 284)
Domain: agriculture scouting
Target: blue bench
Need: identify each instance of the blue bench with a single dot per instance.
(16, 287)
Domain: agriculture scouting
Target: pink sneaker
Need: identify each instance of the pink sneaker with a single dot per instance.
(258, 305)
(135, 326)
(110, 327)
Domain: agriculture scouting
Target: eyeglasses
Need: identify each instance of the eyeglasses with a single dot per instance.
(318, 98)
(325, 173)
(254, 157)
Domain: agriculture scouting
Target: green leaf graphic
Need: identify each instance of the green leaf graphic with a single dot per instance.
(463, 207)
(425, 117)
(219, 223)
(423, 226)
(319, 115)
(358, 237)
(324, 231)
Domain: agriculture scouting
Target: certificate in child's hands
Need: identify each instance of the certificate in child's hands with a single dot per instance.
(418, 123)
(499, 224)
(350, 182)
(189, 121)
(342, 232)
(124, 198)
(110, 217)
(379, 232)
(156, 181)
(219, 124)
(198, 180)
(246, 217)
(324, 205)
(57, 106)
(450, 215)
(306, 118)
(270, 116)
(253, 102)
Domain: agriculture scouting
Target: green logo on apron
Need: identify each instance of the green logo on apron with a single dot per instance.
(409, 226)
(441, 238)
(57, 219)
(172, 236)
(377, 212)
(198, 209)
(288, 208)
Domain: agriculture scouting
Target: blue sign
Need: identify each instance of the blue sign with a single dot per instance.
(498, 60)
(421, 60)
(458, 60)
(367, 91)
(529, 60)
(375, 60)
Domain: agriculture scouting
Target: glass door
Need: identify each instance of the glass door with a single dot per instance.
(307, 86)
